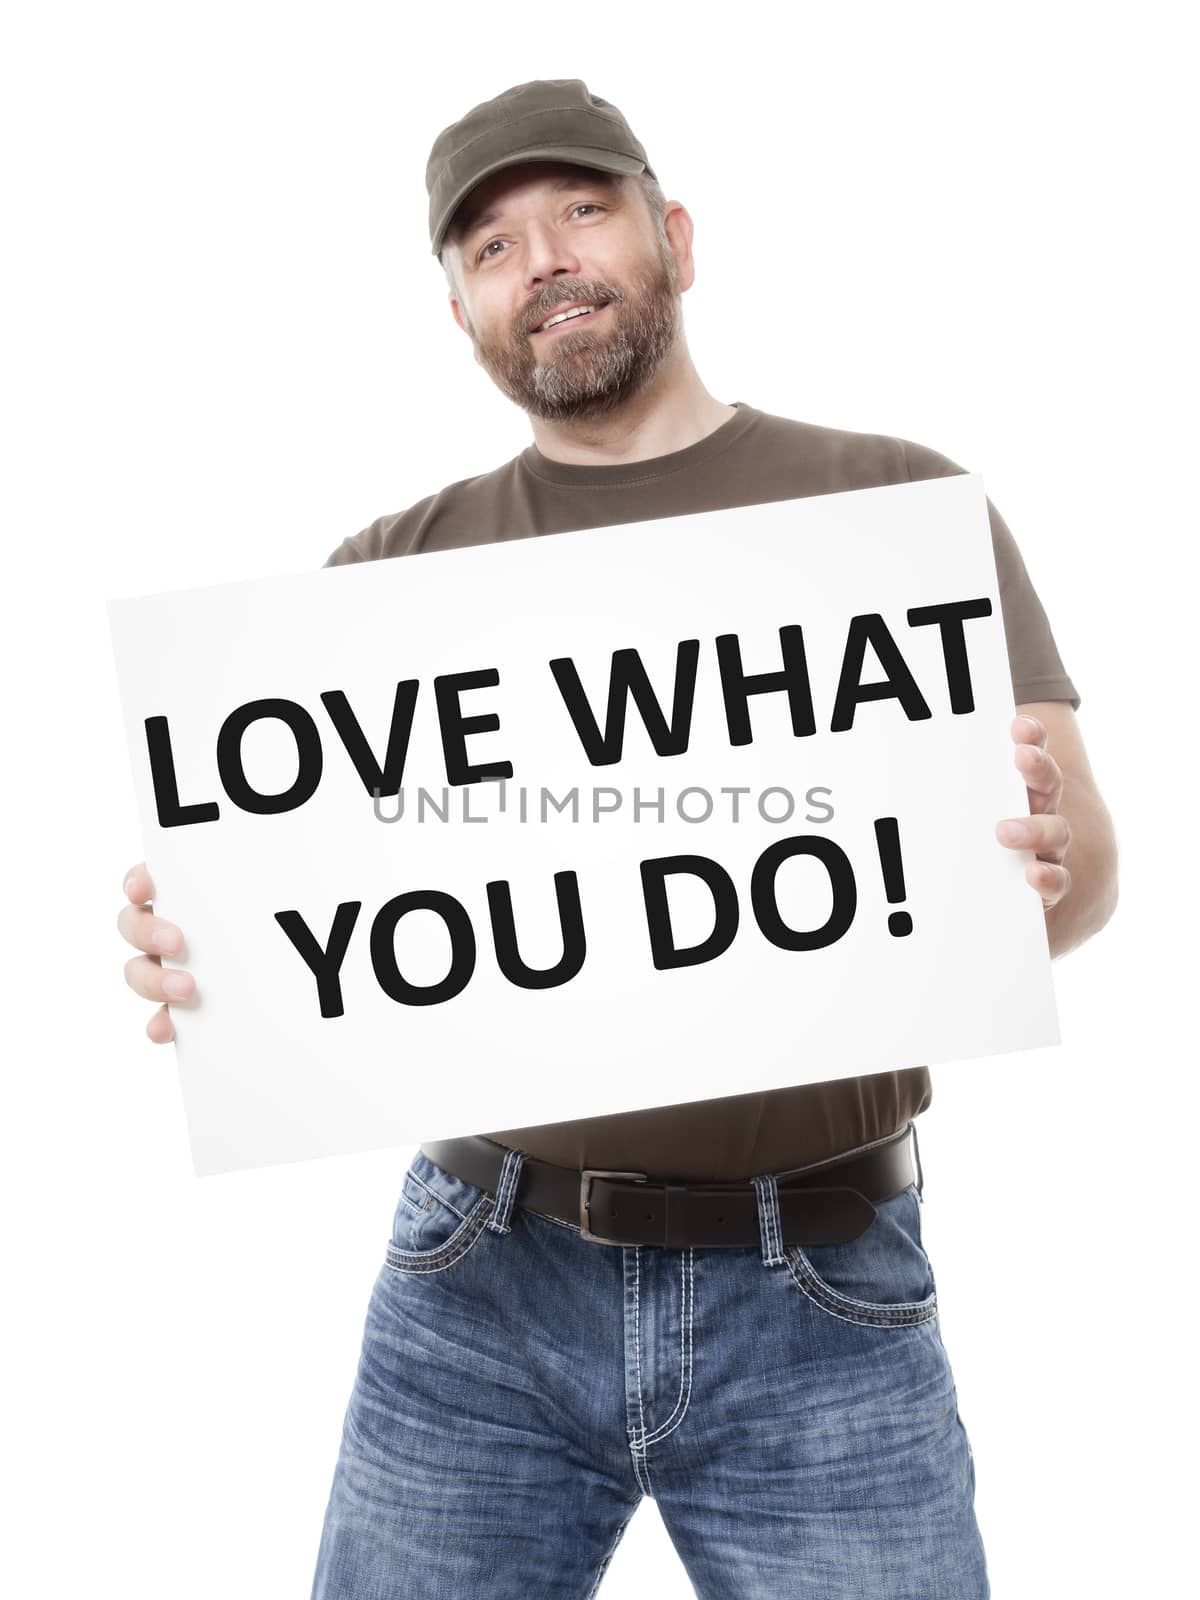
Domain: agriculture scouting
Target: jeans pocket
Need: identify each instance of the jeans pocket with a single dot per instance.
(437, 1220)
(882, 1279)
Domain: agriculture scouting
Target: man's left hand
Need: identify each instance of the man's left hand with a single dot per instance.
(1045, 831)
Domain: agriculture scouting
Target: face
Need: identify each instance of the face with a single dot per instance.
(543, 236)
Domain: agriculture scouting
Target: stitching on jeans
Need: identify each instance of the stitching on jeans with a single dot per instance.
(637, 1335)
(863, 1311)
(509, 1174)
(770, 1222)
(447, 1253)
(639, 1433)
(850, 1299)
(869, 1316)
(638, 1463)
(634, 1433)
(448, 1203)
(688, 1300)
(685, 1304)
(846, 1308)
(513, 1162)
(435, 1260)
(461, 1236)
(637, 1331)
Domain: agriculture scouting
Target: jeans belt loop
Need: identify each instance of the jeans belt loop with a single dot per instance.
(506, 1189)
(770, 1223)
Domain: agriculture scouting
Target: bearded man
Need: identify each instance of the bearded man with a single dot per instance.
(573, 1316)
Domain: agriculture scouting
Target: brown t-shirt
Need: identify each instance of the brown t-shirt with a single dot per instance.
(753, 457)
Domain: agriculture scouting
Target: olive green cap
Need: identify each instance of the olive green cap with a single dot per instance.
(549, 119)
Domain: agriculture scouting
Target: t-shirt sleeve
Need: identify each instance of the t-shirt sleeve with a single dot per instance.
(396, 533)
(1034, 662)
(349, 550)
(371, 544)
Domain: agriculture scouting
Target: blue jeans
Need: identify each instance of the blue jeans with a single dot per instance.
(521, 1389)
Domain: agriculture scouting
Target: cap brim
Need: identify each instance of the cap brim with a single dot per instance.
(579, 155)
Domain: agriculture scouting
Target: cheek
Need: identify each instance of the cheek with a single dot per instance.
(615, 266)
(501, 322)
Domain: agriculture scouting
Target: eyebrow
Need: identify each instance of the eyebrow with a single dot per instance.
(471, 225)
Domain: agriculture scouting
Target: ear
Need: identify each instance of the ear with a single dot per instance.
(677, 224)
(447, 267)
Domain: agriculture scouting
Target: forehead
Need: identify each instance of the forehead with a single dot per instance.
(489, 199)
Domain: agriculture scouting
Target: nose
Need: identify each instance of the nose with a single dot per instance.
(549, 254)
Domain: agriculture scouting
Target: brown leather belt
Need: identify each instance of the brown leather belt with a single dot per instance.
(828, 1202)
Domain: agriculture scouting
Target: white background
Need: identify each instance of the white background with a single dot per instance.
(227, 346)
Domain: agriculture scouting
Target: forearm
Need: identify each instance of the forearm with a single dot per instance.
(1091, 860)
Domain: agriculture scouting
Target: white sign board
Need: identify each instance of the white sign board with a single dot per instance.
(559, 827)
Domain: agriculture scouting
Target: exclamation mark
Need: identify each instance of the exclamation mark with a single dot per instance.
(887, 842)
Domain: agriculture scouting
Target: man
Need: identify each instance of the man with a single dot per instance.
(547, 1343)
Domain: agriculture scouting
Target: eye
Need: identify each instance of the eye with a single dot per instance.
(583, 205)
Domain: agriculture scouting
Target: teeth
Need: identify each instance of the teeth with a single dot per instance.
(578, 311)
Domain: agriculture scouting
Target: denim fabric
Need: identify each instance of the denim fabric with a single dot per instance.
(520, 1389)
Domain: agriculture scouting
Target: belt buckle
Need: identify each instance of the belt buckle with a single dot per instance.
(585, 1179)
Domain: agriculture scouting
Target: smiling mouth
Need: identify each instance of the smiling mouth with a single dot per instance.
(570, 322)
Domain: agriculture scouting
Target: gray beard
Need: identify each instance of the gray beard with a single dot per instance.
(592, 374)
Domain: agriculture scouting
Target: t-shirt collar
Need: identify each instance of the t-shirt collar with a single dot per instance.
(579, 475)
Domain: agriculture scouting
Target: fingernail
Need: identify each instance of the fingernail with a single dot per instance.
(164, 938)
(177, 984)
(1013, 832)
(128, 883)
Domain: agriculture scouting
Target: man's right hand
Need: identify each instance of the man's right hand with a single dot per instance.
(157, 937)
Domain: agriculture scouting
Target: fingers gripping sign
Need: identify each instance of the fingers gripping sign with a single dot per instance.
(156, 937)
(1045, 831)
